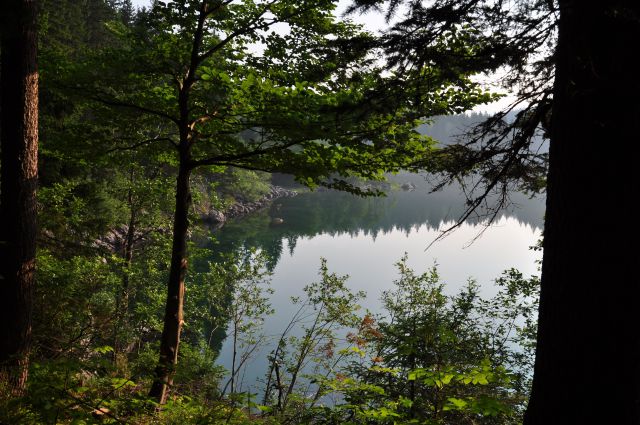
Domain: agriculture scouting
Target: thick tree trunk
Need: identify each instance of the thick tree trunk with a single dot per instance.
(587, 368)
(175, 292)
(19, 174)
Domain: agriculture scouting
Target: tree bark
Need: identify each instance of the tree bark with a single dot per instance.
(19, 174)
(127, 254)
(173, 317)
(122, 303)
(587, 368)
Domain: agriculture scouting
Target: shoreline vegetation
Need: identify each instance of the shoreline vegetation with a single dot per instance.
(428, 356)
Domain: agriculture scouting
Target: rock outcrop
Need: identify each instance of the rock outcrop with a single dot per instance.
(218, 218)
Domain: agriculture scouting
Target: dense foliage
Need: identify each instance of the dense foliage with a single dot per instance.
(210, 93)
(427, 357)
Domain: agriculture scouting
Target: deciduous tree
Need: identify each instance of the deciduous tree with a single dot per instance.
(265, 85)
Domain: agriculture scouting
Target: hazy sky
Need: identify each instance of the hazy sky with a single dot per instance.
(373, 22)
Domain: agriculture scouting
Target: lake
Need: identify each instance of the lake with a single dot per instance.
(364, 237)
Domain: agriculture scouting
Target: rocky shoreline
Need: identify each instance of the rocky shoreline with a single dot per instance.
(239, 209)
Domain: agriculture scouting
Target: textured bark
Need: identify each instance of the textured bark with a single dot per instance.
(19, 174)
(587, 368)
(173, 317)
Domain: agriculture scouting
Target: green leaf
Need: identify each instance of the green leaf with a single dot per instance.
(103, 349)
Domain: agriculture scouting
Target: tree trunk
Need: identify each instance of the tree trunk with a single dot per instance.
(175, 292)
(122, 304)
(19, 174)
(587, 368)
(127, 253)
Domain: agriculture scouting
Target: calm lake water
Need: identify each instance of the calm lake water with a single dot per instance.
(364, 237)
